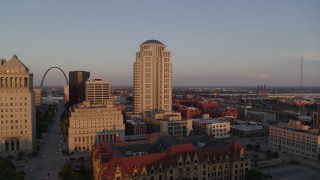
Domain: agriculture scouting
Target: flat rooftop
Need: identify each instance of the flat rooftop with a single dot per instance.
(165, 142)
(309, 131)
(135, 122)
(209, 121)
(246, 127)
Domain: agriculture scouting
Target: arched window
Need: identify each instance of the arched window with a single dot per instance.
(1, 82)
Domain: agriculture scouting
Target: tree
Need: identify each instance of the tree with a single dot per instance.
(257, 147)
(249, 147)
(269, 154)
(275, 154)
(36, 150)
(8, 170)
(67, 173)
(256, 156)
(21, 155)
(255, 174)
(64, 123)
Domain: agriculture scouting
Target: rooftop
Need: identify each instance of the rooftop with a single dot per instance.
(163, 152)
(13, 66)
(163, 143)
(310, 131)
(246, 127)
(209, 121)
(135, 122)
(152, 41)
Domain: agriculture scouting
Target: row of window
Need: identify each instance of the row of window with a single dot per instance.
(213, 175)
(12, 98)
(297, 151)
(11, 104)
(14, 121)
(13, 110)
(13, 132)
(96, 115)
(12, 115)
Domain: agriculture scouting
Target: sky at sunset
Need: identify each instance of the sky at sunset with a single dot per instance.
(213, 43)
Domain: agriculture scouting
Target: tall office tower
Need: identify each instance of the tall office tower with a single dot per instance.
(66, 93)
(97, 91)
(152, 78)
(77, 81)
(17, 108)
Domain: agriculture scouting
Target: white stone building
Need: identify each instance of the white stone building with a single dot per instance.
(90, 125)
(17, 108)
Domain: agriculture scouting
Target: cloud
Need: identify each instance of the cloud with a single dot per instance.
(258, 75)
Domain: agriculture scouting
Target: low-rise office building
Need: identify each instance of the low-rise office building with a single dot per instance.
(135, 127)
(169, 122)
(213, 127)
(206, 107)
(248, 129)
(295, 138)
(223, 112)
(189, 112)
(264, 117)
(90, 125)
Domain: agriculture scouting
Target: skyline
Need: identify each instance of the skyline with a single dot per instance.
(207, 41)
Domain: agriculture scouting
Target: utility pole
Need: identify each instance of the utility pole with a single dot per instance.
(301, 80)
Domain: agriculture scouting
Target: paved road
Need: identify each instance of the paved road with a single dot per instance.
(49, 161)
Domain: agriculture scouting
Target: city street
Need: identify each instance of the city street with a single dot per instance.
(50, 159)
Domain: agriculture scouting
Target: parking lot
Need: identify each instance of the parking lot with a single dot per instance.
(291, 172)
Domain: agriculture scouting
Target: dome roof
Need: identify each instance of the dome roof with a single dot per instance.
(152, 41)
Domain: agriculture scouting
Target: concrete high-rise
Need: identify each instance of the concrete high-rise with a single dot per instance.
(77, 81)
(17, 108)
(97, 91)
(152, 78)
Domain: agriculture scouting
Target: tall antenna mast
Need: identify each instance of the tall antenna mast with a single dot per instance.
(301, 89)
